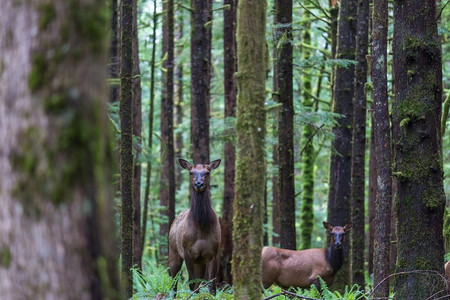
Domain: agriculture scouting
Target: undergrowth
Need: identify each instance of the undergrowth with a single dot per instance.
(156, 283)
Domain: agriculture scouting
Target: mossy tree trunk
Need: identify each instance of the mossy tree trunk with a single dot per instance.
(248, 206)
(230, 64)
(201, 16)
(372, 197)
(381, 128)
(359, 146)
(420, 198)
(341, 155)
(167, 189)
(126, 144)
(56, 222)
(308, 155)
(137, 132)
(284, 92)
(148, 172)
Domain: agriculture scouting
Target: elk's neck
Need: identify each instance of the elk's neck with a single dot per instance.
(201, 212)
(335, 258)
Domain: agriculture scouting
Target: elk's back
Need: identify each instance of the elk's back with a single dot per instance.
(293, 268)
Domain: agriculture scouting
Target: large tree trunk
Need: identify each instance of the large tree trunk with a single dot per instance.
(284, 92)
(372, 196)
(201, 16)
(137, 132)
(341, 156)
(56, 222)
(359, 146)
(230, 152)
(382, 236)
(420, 198)
(167, 189)
(308, 155)
(126, 144)
(250, 165)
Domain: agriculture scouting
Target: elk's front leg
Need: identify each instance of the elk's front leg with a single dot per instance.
(190, 265)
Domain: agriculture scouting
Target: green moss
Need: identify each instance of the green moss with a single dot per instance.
(404, 122)
(411, 73)
(48, 14)
(36, 78)
(5, 257)
(432, 198)
(92, 23)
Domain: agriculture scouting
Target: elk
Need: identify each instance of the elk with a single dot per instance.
(195, 233)
(291, 268)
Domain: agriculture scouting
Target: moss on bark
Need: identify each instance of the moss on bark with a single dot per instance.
(248, 205)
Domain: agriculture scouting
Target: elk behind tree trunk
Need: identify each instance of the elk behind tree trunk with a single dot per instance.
(301, 268)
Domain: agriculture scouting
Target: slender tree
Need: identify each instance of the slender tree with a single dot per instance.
(284, 92)
(359, 146)
(372, 196)
(420, 198)
(137, 132)
(179, 104)
(341, 156)
(250, 164)
(306, 209)
(201, 16)
(150, 127)
(167, 190)
(229, 44)
(114, 51)
(56, 223)
(126, 144)
(382, 237)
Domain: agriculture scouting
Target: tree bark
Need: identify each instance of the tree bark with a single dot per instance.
(283, 27)
(179, 104)
(150, 128)
(114, 51)
(307, 209)
(56, 222)
(372, 196)
(167, 189)
(359, 146)
(420, 198)
(230, 152)
(137, 134)
(248, 206)
(126, 144)
(201, 17)
(341, 156)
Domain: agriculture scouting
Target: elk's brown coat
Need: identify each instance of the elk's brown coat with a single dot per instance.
(194, 236)
(290, 268)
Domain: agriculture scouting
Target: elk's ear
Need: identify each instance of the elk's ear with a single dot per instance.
(214, 164)
(348, 226)
(327, 226)
(184, 164)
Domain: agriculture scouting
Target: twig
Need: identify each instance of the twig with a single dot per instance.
(310, 138)
(442, 9)
(318, 18)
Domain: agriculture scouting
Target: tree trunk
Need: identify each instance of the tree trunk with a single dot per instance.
(308, 155)
(283, 25)
(126, 144)
(114, 52)
(420, 198)
(359, 146)
(341, 156)
(201, 17)
(167, 190)
(224, 274)
(150, 128)
(137, 134)
(275, 201)
(248, 206)
(372, 196)
(56, 222)
(179, 105)
(382, 238)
